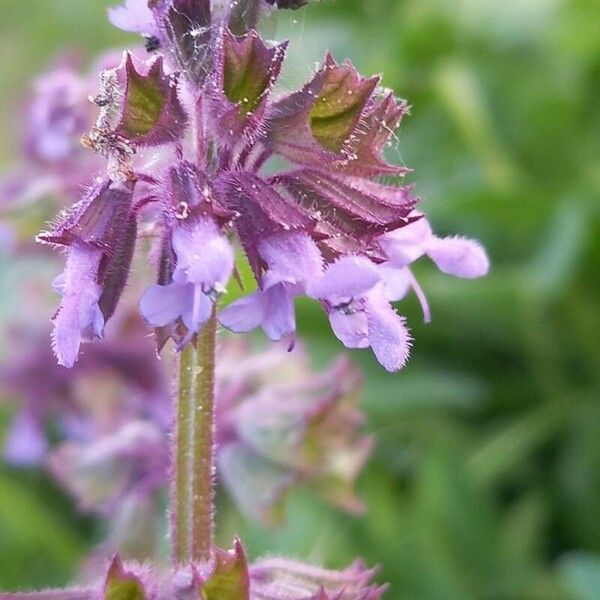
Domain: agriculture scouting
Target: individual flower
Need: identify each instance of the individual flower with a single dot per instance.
(99, 233)
(204, 263)
(359, 313)
(453, 255)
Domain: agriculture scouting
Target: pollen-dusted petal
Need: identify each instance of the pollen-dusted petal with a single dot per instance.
(349, 277)
(244, 314)
(350, 328)
(161, 305)
(152, 113)
(134, 16)
(459, 256)
(388, 335)
(291, 257)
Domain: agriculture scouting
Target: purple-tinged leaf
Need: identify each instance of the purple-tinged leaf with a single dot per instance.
(288, 129)
(280, 579)
(114, 268)
(250, 69)
(122, 585)
(230, 579)
(370, 202)
(152, 113)
(339, 104)
(320, 122)
(246, 72)
(364, 147)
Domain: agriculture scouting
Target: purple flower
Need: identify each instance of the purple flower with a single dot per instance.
(99, 233)
(317, 228)
(456, 256)
(134, 16)
(292, 259)
(204, 265)
(79, 316)
(351, 291)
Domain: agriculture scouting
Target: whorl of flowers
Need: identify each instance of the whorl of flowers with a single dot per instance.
(188, 135)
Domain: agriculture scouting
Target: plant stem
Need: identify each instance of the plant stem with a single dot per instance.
(203, 443)
(192, 487)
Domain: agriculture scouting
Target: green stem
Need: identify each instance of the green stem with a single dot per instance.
(192, 494)
(203, 443)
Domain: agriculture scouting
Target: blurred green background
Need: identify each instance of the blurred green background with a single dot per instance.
(485, 482)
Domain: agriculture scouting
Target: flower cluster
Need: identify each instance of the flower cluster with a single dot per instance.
(113, 455)
(189, 136)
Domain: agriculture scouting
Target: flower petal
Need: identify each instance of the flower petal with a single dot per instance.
(388, 334)
(279, 319)
(350, 329)
(406, 244)
(203, 255)
(459, 256)
(199, 312)
(349, 277)
(134, 16)
(397, 281)
(290, 257)
(244, 314)
(161, 305)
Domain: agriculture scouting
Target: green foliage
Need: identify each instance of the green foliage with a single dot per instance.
(485, 483)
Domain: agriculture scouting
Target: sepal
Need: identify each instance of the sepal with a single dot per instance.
(96, 220)
(121, 584)
(245, 73)
(152, 113)
(229, 579)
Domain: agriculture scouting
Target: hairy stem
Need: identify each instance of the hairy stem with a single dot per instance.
(203, 443)
(192, 487)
